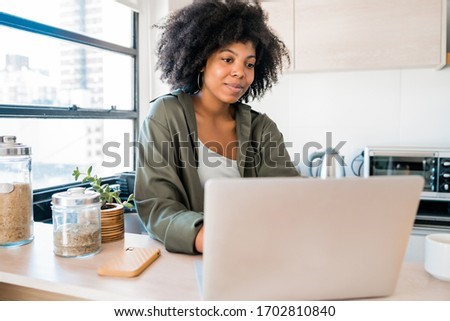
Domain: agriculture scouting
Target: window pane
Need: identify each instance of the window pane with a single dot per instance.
(103, 19)
(59, 145)
(39, 70)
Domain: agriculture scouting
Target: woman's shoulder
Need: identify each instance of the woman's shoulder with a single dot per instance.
(165, 105)
(258, 118)
(171, 110)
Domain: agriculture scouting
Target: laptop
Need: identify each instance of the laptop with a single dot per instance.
(306, 239)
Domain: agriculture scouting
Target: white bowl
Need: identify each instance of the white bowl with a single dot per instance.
(437, 256)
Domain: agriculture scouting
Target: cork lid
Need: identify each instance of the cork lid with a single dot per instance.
(9, 147)
(75, 197)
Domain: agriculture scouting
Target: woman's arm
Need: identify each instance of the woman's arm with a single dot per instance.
(161, 198)
(199, 240)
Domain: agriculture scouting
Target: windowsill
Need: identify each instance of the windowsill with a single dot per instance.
(42, 198)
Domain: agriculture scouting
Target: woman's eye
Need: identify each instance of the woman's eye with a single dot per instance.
(250, 65)
(227, 59)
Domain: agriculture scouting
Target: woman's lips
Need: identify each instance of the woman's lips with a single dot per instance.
(235, 88)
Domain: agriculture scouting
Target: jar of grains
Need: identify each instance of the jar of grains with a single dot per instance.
(76, 222)
(16, 194)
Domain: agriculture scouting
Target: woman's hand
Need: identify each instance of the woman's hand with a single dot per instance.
(199, 241)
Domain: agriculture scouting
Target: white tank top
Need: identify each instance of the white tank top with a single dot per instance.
(214, 165)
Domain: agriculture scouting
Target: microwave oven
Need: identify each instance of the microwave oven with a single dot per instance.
(433, 164)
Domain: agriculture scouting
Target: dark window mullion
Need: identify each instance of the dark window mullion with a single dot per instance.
(136, 81)
(11, 111)
(40, 28)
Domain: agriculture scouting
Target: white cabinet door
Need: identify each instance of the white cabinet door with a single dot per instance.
(376, 34)
(178, 4)
(281, 20)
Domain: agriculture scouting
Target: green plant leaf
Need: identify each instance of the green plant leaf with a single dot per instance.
(107, 195)
(76, 173)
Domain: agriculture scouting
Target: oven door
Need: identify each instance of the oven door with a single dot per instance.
(404, 163)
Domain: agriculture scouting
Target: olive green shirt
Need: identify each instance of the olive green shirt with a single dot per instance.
(168, 192)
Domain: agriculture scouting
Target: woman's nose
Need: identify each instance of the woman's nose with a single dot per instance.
(238, 71)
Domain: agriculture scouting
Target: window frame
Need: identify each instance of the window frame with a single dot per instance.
(30, 111)
(75, 112)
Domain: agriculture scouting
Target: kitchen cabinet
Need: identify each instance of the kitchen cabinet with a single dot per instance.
(178, 4)
(281, 20)
(378, 34)
(333, 35)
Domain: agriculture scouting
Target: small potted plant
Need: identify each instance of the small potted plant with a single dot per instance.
(112, 208)
(110, 198)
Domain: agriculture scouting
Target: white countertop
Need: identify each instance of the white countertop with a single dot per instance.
(33, 272)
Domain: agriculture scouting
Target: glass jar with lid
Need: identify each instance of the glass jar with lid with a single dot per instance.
(76, 222)
(16, 194)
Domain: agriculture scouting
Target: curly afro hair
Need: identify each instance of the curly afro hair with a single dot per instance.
(192, 34)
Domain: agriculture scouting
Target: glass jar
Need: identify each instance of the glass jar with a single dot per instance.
(16, 194)
(76, 222)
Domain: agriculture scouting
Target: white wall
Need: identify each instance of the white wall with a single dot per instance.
(154, 13)
(391, 107)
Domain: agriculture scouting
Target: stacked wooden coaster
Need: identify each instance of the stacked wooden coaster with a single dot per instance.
(113, 225)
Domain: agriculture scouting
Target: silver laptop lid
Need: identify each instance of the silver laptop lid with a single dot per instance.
(306, 239)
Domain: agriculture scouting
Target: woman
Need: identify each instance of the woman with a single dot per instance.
(217, 54)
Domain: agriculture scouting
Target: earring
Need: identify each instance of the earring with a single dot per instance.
(198, 81)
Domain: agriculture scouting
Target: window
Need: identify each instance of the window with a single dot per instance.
(68, 85)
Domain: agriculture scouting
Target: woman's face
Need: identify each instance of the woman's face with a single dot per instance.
(229, 72)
